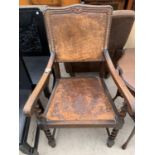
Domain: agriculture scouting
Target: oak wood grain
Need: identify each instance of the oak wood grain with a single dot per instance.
(69, 2)
(47, 2)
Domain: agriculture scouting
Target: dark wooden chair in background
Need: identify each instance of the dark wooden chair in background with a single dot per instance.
(25, 89)
(126, 69)
(122, 22)
(78, 33)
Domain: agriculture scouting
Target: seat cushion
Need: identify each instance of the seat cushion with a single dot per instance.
(79, 99)
(23, 96)
(127, 66)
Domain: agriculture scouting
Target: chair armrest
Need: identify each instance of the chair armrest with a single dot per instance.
(120, 83)
(28, 108)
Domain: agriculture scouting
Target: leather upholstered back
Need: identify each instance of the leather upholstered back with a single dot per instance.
(79, 32)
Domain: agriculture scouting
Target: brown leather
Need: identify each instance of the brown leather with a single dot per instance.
(122, 22)
(127, 66)
(80, 99)
(79, 32)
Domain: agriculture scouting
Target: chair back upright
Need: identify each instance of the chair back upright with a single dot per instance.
(78, 33)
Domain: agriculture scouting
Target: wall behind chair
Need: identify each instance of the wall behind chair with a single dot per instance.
(131, 40)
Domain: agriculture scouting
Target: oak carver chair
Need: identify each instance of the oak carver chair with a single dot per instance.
(78, 33)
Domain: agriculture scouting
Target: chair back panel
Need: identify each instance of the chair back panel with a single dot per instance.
(78, 32)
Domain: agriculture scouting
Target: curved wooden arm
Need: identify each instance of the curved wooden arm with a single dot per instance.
(28, 108)
(120, 83)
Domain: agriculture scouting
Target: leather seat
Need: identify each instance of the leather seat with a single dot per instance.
(80, 99)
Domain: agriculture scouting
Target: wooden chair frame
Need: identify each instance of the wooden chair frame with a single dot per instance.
(45, 125)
